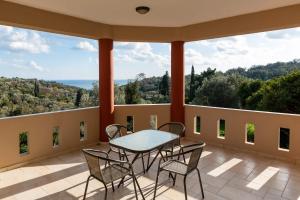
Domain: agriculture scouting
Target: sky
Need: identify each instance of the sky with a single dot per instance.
(34, 54)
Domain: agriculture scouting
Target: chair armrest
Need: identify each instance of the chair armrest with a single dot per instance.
(183, 147)
(95, 152)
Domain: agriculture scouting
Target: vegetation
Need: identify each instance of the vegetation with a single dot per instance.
(250, 132)
(27, 96)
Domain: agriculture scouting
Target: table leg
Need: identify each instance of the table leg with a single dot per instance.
(149, 166)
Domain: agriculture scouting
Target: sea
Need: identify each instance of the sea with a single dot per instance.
(86, 84)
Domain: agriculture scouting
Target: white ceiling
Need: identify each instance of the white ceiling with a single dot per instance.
(164, 13)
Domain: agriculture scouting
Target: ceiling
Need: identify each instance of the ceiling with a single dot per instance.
(163, 13)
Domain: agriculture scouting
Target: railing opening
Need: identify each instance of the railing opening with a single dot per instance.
(23, 143)
(55, 137)
(250, 131)
(83, 131)
(197, 125)
(153, 121)
(130, 124)
(284, 139)
(221, 128)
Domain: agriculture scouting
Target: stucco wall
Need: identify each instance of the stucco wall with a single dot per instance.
(141, 114)
(267, 126)
(40, 127)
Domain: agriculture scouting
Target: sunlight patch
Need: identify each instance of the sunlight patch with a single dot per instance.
(224, 167)
(263, 178)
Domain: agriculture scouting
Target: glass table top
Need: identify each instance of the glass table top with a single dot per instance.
(143, 141)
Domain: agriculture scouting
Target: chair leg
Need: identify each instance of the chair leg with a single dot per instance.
(121, 182)
(185, 193)
(200, 182)
(143, 164)
(112, 186)
(137, 183)
(174, 179)
(136, 195)
(86, 186)
(105, 195)
(156, 181)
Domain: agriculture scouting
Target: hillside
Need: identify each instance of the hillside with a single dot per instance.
(269, 71)
(26, 96)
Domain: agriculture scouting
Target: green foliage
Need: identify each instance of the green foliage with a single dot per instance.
(246, 89)
(221, 128)
(279, 95)
(164, 85)
(55, 136)
(78, 97)
(36, 88)
(132, 95)
(28, 96)
(192, 85)
(23, 142)
(250, 132)
(220, 91)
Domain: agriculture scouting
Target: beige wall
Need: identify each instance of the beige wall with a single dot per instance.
(40, 128)
(141, 114)
(267, 127)
(22, 16)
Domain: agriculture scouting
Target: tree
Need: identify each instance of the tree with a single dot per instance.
(246, 91)
(281, 94)
(164, 85)
(36, 88)
(192, 85)
(219, 91)
(78, 97)
(132, 92)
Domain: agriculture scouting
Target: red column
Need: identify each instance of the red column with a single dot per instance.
(106, 86)
(177, 81)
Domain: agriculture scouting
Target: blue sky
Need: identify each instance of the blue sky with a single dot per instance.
(33, 54)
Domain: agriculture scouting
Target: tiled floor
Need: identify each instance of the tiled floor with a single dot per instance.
(225, 174)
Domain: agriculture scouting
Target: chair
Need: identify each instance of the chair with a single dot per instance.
(177, 128)
(178, 167)
(114, 131)
(115, 170)
(117, 130)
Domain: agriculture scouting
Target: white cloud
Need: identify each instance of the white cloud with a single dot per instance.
(35, 66)
(244, 51)
(18, 40)
(140, 52)
(86, 46)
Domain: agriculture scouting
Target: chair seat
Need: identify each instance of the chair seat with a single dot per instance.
(114, 172)
(174, 166)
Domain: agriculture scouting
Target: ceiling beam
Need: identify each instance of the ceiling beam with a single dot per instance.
(27, 17)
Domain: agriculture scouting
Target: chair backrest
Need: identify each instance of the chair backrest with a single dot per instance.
(177, 128)
(93, 160)
(115, 130)
(196, 151)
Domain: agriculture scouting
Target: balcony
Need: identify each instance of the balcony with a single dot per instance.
(249, 154)
(230, 167)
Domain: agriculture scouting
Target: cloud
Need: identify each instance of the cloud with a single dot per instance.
(86, 46)
(283, 34)
(35, 66)
(17, 40)
(140, 52)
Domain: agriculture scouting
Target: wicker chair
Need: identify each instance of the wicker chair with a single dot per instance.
(177, 128)
(117, 130)
(115, 170)
(178, 167)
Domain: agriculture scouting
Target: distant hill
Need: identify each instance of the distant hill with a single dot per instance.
(27, 96)
(266, 72)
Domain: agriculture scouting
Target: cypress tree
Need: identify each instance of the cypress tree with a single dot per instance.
(78, 97)
(192, 85)
(164, 85)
